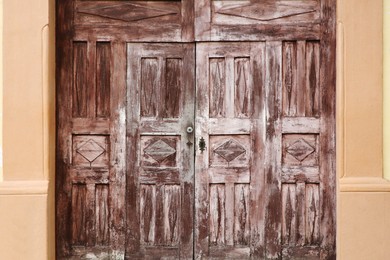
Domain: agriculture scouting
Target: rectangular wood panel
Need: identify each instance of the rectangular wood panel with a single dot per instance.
(161, 93)
(217, 87)
(172, 202)
(160, 165)
(217, 214)
(80, 78)
(300, 213)
(102, 214)
(79, 214)
(103, 78)
(289, 226)
(91, 79)
(242, 87)
(122, 12)
(230, 124)
(312, 214)
(241, 215)
(129, 21)
(301, 79)
(312, 78)
(150, 88)
(172, 92)
(228, 20)
(159, 230)
(148, 213)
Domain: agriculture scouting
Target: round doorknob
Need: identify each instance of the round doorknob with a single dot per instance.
(190, 130)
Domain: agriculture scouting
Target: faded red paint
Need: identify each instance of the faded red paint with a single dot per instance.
(132, 183)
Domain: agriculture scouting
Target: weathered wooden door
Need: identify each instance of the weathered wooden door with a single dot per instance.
(195, 129)
(229, 171)
(160, 148)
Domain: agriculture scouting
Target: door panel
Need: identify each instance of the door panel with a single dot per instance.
(160, 151)
(229, 173)
(142, 20)
(242, 20)
(295, 157)
(90, 195)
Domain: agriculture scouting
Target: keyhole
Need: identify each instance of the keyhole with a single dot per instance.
(202, 144)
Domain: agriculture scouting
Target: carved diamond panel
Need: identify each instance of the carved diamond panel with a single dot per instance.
(90, 150)
(300, 149)
(265, 11)
(126, 12)
(268, 12)
(159, 151)
(229, 150)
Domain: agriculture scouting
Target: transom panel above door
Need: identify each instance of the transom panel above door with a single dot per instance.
(251, 20)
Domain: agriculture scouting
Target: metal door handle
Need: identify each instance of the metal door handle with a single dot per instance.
(190, 130)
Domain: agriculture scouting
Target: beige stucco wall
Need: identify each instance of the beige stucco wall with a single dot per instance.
(364, 198)
(26, 194)
(26, 198)
(386, 88)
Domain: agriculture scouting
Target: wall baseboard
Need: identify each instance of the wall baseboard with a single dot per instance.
(24, 188)
(364, 184)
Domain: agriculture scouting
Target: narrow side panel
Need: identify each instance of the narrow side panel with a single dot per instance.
(217, 214)
(79, 214)
(172, 208)
(149, 87)
(103, 79)
(243, 87)
(241, 214)
(148, 213)
(217, 87)
(102, 214)
(172, 93)
(80, 79)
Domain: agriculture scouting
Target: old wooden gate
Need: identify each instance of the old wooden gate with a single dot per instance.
(195, 129)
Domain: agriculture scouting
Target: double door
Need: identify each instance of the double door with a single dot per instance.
(193, 148)
(198, 153)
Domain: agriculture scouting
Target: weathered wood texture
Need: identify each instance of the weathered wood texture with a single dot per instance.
(157, 21)
(160, 169)
(127, 183)
(94, 164)
(90, 187)
(229, 178)
(257, 20)
(295, 159)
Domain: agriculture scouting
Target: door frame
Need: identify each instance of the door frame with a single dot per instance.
(64, 34)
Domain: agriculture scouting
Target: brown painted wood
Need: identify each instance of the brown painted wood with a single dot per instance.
(157, 21)
(257, 20)
(131, 183)
(228, 188)
(160, 170)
